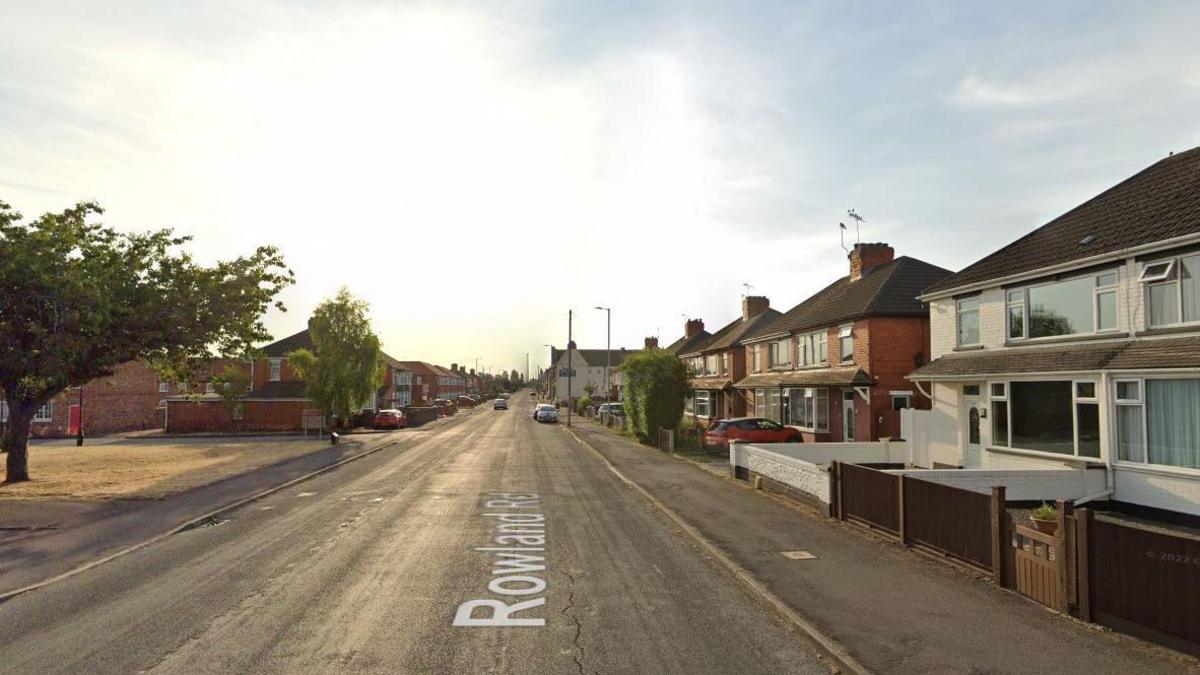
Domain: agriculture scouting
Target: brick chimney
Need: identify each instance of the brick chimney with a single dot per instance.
(472, 372)
(651, 343)
(454, 367)
(753, 305)
(692, 327)
(864, 257)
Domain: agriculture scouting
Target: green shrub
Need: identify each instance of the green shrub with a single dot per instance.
(656, 384)
(582, 404)
(1044, 512)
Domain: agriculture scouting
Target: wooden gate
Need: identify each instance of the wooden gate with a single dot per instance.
(1037, 565)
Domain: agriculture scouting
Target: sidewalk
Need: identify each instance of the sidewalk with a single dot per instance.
(41, 539)
(894, 610)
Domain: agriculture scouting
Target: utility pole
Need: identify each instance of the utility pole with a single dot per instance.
(570, 372)
(79, 431)
(607, 353)
(526, 367)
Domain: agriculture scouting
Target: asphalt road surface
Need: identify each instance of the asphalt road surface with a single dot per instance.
(367, 569)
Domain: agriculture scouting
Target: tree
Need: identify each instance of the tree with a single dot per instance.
(656, 384)
(347, 369)
(589, 389)
(232, 385)
(79, 298)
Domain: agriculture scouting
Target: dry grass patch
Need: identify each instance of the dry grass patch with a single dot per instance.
(144, 470)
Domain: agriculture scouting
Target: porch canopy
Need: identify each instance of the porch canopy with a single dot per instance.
(710, 383)
(845, 376)
(1119, 355)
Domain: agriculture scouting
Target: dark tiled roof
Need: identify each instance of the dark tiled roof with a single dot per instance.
(890, 289)
(1114, 355)
(686, 344)
(729, 335)
(593, 357)
(294, 390)
(280, 348)
(820, 377)
(393, 362)
(418, 366)
(1160, 202)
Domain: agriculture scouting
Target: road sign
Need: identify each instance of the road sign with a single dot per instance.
(566, 372)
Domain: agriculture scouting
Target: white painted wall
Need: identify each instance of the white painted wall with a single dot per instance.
(943, 430)
(584, 375)
(802, 475)
(891, 452)
(1157, 488)
(1021, 485)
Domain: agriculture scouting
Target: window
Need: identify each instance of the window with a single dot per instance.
(756, 354)
(44, 413)
(724, 362)
(1086, 304)
(1173, 290)
(779, 353)
(967, 313)
(901, 401)
(760, 402)
(710, 364)
(808, 407)
(1060, 417)
(703, 407)
(164, 387)
(774, 402)
(846, 343)
(275, 368)
(814, 348)
(1157, 422)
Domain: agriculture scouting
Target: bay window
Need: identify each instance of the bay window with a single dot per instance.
(774, 405)
(710, 364)
(1157, 422)
(809, 408)
(703, 405)
(1058, 416)
(755, 357)
(760, 402)
(1086, 304)
(1173, 290)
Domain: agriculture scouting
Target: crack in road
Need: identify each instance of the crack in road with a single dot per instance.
(569, 612)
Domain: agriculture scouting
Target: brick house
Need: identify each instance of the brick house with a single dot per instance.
(834, 366)
(396, 391)
(720, 360)
(428, 381)
(1078, 345)
(131, 399)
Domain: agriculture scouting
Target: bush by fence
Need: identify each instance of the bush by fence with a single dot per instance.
(656, 384)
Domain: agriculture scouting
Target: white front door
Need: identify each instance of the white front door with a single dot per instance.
(848, 417)
(972, 401)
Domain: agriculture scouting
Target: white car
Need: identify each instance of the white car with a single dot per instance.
(499, 404)
(545, 412)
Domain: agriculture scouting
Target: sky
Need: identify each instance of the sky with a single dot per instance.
(475, 170)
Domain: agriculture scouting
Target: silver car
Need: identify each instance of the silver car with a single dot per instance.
(545, 412)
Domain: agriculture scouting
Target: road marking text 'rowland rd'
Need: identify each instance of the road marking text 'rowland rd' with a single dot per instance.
(518, 565)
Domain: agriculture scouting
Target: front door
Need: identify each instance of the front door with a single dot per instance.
(972, 399)
(73, 420)
(848, 416)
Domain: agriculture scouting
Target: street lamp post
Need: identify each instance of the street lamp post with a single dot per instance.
(607, 353)
(79, 430)
(550, 370)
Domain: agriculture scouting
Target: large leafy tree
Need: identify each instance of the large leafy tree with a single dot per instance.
(656, 386)
(78, 298)
(347, 368)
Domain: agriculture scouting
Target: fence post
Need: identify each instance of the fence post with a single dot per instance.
(833, 489)
(1065, 556)
(1083, 527)
(999, 515)
(837, 469)
(900, 516)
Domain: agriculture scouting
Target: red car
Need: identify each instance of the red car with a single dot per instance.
(752, 429)
(390, 419)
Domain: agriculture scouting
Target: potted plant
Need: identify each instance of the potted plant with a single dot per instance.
(1044, 518)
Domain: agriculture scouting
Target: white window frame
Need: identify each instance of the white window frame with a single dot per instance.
(1097, 291)
(775, 348)
(809, 393)
(276, 370)
(1006, 398)
(760, 402)
(1144, 463)
(958, 317)
(1170, 277)
(706, 401)
(907, 400)
(715, 364)
(44, 413)
(164, 387)
(756, 357)
(845, 333)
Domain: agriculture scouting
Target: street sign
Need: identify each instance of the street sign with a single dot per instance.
(566, 372)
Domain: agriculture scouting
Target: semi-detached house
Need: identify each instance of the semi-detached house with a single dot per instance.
(1079, 345)
(834, 365)
(720, 360)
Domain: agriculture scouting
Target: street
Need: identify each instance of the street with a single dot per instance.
(363, 569)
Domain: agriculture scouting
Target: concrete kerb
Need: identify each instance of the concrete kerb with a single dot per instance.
(194, 522)
(832, 648)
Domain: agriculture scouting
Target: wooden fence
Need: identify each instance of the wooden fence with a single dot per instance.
(1138, 580)
(965, 525)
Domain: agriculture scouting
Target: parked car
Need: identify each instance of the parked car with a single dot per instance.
(752, 429)
(611, 409)
(466, 401)
(390, 419)
(545, 412)
(499, 404)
